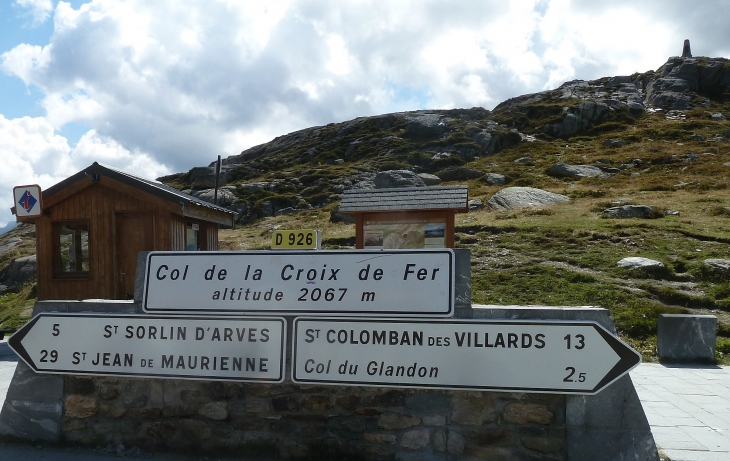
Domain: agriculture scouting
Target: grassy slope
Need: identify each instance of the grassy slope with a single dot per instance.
(15, 308)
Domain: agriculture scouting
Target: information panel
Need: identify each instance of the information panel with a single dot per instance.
(397, 283)
(528, 356)
(230, 349)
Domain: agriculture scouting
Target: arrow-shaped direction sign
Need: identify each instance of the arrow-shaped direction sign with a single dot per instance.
(230, 349)
(344, 283)
(574, 357)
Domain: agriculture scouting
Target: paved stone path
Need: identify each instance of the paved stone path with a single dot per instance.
(688, 408)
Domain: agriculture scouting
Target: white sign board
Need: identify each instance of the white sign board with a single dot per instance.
(230, 349)
(573, 357)
(27, 201)
(386, 283)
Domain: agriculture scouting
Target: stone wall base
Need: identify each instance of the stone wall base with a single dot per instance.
(319, 422)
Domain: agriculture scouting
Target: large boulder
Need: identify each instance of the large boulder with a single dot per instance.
(512, 198)
(19, 272)
(459, 173)
(721, 266)
(337, 216)
(9, 244)
(397, 178)
(632, 211)
(426, 125)
(495, 179)
(578, 118)
(226, 196)
(635, 262)
(564, 170)
(491, 143)
(429, 179)
(488, 141)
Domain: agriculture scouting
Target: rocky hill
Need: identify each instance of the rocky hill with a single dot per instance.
(611, 192)
(310, 167)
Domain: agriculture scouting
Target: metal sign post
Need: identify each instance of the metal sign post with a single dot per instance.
(209, 348)
(357, 283)
(571, 357)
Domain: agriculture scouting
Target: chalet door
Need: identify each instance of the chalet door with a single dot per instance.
(134, 233)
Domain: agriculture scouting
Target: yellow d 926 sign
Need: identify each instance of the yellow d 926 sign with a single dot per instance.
(299, 239)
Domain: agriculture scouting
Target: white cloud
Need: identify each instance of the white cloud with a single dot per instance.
(25, 61)
(38, 9)
(94, 148)
(32, 153)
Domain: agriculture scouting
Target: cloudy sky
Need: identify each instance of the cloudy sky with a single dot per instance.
(157, 87)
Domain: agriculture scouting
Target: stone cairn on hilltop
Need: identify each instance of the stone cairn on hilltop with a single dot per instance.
(686, 52)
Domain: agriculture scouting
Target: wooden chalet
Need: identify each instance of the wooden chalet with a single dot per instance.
(408, 217)
(95, 223)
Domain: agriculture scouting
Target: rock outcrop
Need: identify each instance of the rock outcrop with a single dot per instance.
(564, 170)
(632, 211)
(721, 266)
(578, 118)
(684, 83)
(426, 125)
(429, 179)
(635, 262)
(495, 179)
(512, 198)
(397, 178)
(459, 174)
(19, 272)
(286, 173)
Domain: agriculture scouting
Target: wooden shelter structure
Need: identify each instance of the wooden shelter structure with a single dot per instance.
(95, 223)
(408, 217)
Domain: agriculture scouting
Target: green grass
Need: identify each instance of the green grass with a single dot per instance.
(15, 308)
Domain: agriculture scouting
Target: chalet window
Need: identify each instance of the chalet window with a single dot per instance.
(191, 232)
(71, 250)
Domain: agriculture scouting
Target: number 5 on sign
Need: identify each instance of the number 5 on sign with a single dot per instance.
(298, 239)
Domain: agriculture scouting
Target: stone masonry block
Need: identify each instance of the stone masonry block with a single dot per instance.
(31, 420)
(685, 338)
(139, 276)
(103, 305)
(35, 387)
(33, 406)
(614, 420)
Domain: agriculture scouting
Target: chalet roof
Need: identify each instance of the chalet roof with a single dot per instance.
(96, 170)
(405, 198)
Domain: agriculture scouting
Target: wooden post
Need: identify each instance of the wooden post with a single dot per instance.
(217, 174)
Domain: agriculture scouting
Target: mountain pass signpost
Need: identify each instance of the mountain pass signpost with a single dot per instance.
(209, 348)
(348, 283)
(566, 357)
